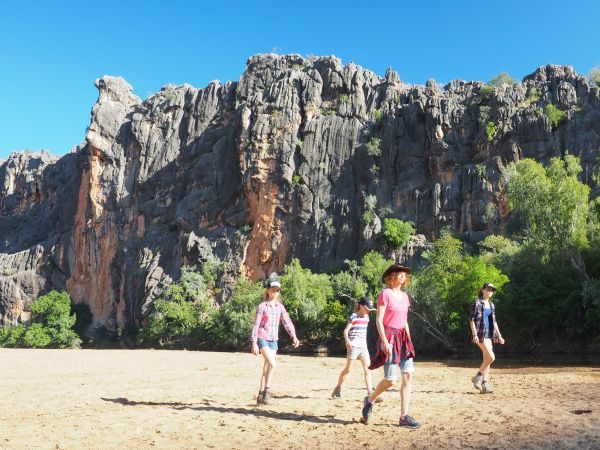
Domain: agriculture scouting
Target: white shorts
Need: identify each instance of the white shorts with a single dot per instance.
(358, 353)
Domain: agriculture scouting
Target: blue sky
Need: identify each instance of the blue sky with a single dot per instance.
(52, 51)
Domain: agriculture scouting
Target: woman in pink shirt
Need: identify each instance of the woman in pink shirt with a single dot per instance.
(395, 350)
(265, 335)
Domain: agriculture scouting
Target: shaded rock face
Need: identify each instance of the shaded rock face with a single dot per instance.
(300, 158)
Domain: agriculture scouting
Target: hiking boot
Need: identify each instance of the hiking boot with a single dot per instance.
(409, 422)
(367, 410)
(260, 397)
(266, 397)
(337, 392)
(477, 382)
(486, 388)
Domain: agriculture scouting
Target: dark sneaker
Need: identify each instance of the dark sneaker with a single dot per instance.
(337, 392)
(367, 410)
(266, 397)
(409, 422)
(477, 381)
(486, 388)
(260, 398)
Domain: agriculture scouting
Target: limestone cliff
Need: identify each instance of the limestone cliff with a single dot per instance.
(300, 158)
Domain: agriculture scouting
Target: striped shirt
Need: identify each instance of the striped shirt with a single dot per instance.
(358, 333)
(266, 323)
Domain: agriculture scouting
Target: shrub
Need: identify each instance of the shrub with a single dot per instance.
(486, 92)
(594, 75)
(230, 326)
(502, 78)
(368, 217)
(37, 336)
(11, 336)
(555, 115)
(490, 131)
(344, 98)
(53, 313)
(378, 115)
(397, 233)
(374, 147)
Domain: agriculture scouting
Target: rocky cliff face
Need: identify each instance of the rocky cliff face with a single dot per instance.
(300, 158)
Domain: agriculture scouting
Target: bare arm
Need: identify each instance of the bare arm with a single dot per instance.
(346, 337)
(385, 345)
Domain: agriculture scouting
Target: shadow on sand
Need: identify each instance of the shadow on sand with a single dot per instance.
(242, 411)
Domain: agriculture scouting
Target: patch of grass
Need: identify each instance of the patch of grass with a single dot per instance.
(555, 115)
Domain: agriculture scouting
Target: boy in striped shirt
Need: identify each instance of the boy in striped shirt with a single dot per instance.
(355, 335)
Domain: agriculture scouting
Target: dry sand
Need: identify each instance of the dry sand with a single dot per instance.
(127, 399)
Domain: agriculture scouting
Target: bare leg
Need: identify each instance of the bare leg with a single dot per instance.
(383, 386)
(405, 391)
(488, 357)
(344, 373)
(268, 368)
(366, 362)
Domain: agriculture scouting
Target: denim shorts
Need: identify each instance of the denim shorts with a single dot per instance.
(264, 343)
(390, 370)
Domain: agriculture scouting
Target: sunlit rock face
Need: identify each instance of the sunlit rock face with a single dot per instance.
(300, 158)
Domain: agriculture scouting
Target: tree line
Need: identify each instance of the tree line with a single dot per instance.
(547, 270)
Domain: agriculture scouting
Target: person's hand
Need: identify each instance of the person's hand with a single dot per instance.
(501, 340)
(295, 342)
(255, 350)
(348, 345)
(475, 339)
(387, 348)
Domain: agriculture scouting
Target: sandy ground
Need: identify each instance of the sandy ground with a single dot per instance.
(122, 399)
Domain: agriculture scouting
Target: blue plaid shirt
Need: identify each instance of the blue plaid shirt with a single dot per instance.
(478, 317)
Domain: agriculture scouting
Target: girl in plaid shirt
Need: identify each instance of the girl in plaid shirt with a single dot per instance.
(265, 335)
(484, 331)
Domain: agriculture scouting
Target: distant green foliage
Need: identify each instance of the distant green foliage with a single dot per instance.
(490, 212)
(378, 115)
(486, 93)
(229, 327)
(329, 112)
(179, 309)
(481, 170)
(371, 202)
(502, 78)
(533, 97)
(594, 75)
(329, 227)
(373, 264)
(490, 131)
(397, 233)
(296, 179)
(368, 217)
(447, 285)
(52, 325)
(344, 98)
(555, 115)
(374, 147)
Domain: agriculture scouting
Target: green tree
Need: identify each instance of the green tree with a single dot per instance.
(373, 264)
(594, 75)
(446, 286)
(229, 327)
(555, 115)
(554, 203)
(177, 312)
(397, 233)
(52, 314)
(502, 78)
(306, 296)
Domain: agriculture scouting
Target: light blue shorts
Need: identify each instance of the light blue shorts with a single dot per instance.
(264, 343)
(390, 370)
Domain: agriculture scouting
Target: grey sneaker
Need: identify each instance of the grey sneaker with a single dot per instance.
(477, 382)
(487, 388)
(266, 397)
(260, 397)
(337, 392)
(409, 422)
(367, 411)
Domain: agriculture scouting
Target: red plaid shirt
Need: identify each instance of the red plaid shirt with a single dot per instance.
(266, 323)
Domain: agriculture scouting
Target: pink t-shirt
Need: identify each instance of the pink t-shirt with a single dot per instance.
(396, 308)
